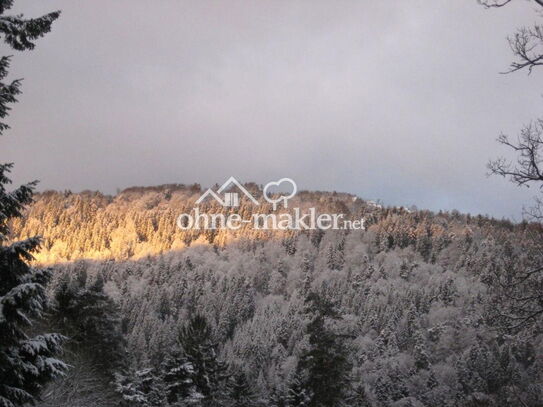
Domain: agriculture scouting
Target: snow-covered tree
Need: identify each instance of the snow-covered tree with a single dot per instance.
(89, 317)
(26, 362)
(323, 370)
(178, 376)
(208, 374)
(241, 393)
(299, 394)
(410, 326)
(140, 388)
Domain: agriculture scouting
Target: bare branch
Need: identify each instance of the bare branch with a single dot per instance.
(527, 47)
(528, 167)
(535, 212)
(493, 3)
(501, 3)
(526, 43)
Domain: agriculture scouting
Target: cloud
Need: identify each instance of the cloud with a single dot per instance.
(398, 103)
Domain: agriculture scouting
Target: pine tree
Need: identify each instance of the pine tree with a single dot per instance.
(358, 396)
(278, 398)
(26, 363)
(298, 393)
(422, 359)
(331, 260)
(91, 319)
(307, 271)
(405, 270)
(316, 237)
(140, 388)
(209, 373)
(240, 392)
(323, 370)
(178, 376)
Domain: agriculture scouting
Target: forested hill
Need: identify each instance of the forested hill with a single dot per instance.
(141, 221)
(420, 309)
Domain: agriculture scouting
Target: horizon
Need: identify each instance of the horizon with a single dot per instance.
(300, 191)
(391, 103)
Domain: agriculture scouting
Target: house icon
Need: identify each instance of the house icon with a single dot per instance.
(231, 199)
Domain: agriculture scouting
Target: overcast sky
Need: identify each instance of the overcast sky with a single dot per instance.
(398, 101)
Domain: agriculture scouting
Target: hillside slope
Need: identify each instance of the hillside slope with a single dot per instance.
(416, 293)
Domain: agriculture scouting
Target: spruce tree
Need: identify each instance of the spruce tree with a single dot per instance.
(278, 398)
(26, 362)
(358, 396)
(178, 374)
(90, 318)
(323, 370)
(422, 359)
(209, 375)
(298, 392)
(140, 388)
(241, 394)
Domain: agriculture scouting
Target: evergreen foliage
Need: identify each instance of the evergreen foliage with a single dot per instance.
(90, 318)
(178, 377)
(210, 375)
(26, 362)
(140, 388)
(416, 319)
(241, 394)
(323, 370)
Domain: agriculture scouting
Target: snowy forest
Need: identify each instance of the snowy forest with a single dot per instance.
(420, 309)
(106, 302)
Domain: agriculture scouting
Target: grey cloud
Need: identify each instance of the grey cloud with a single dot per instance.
(401, 103)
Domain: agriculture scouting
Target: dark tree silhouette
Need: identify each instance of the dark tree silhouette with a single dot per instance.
(519, 293)
(527, 170)
(526, 44)
(198, 344)
(26, 363)
(323, 370)
(91, 320)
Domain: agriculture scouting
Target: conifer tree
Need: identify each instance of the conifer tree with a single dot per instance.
(298, 393)
(140, 388)
(209, 374)
(26, 363)
(358, 396)
(240, 392)
(278, 398)
(90, 319)
(422, 360)
(323, 370)
(178, 375)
